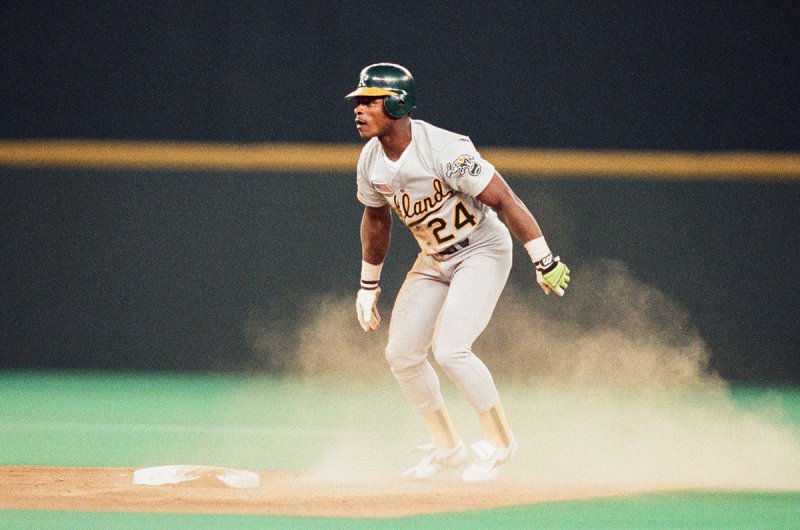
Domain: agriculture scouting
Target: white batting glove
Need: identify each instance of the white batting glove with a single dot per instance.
(367, 308)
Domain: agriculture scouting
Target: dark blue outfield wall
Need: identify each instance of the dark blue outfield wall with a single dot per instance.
(632, 74)
(159, 270)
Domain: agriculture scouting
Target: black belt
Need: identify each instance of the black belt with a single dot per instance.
(455, 247)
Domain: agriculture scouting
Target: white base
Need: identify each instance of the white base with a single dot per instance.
(174, 474)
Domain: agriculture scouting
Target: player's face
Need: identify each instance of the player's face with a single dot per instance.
(371, 119)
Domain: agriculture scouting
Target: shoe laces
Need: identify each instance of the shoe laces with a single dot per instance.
(489, 455)
(438, 454)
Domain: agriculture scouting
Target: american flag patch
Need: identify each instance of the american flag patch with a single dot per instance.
(383, 188)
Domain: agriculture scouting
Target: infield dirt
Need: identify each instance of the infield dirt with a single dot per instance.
(284, 494)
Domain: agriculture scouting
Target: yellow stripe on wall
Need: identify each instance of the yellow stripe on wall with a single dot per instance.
(302, 157)
(648, 164)
(112, 154)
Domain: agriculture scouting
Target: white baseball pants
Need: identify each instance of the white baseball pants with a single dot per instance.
(445, 305)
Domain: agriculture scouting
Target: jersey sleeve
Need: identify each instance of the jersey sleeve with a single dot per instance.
(366, 193)
(463, 168)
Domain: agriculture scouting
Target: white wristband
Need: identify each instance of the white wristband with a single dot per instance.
(537, 249)
(370, 275)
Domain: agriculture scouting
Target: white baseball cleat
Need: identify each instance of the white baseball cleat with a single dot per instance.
(436, 460)
(490, 458)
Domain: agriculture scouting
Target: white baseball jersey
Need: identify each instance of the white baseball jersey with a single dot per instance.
(431, 188)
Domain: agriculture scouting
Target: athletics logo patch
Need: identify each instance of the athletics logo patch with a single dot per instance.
(463, 164)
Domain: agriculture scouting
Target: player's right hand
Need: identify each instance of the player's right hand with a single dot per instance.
(554, 277)
(367, 308)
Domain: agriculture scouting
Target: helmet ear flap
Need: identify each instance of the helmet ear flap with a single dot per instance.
(396, 105)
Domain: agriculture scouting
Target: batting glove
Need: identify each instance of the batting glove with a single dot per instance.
(367, 308)
(552, 275)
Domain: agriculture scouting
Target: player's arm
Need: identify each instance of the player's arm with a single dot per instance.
(519, 220)
(551, 274)
(376, 231)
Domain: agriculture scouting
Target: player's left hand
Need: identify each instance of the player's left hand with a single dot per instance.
(367, 308)
(552, 277)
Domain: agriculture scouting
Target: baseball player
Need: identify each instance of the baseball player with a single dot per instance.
(460, 210)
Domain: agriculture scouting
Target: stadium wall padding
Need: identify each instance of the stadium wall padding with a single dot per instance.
(150, 270)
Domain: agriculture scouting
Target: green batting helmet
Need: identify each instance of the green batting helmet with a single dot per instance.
(391, 81)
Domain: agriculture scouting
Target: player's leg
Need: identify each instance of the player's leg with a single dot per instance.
(499, 446)
(410, 332)
(412, 323)
(447, 449)
(474, 291)
(476, 285)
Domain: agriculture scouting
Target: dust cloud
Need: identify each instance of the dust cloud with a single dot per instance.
(608, 386)
(610, 329)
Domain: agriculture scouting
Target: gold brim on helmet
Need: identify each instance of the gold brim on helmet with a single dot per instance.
(369, 91)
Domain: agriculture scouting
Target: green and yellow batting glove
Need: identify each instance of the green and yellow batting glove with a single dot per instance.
(552, 275)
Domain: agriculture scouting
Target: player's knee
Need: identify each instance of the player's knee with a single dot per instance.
(450, 358)
(402, 359)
